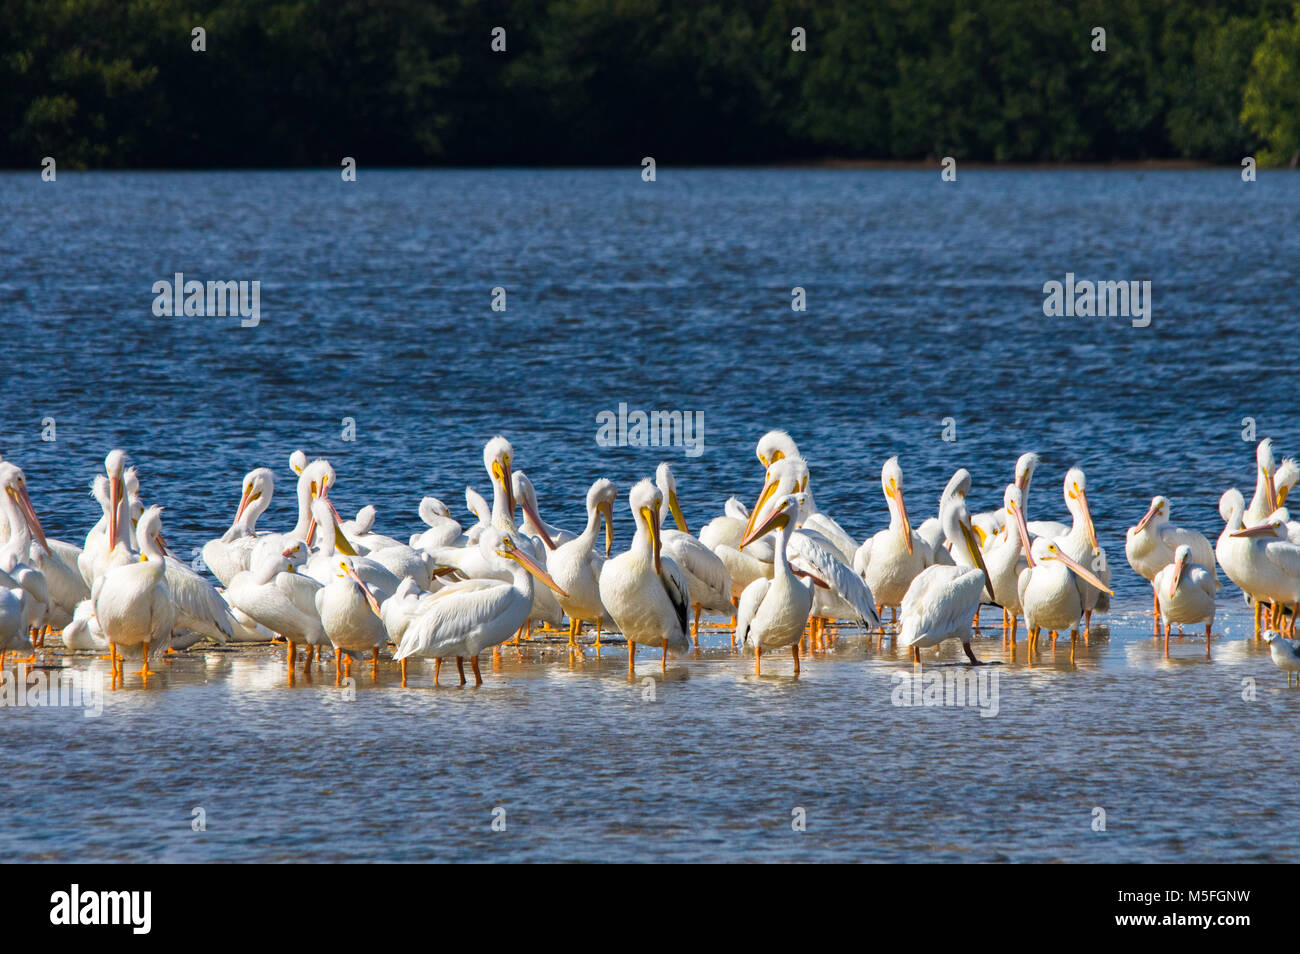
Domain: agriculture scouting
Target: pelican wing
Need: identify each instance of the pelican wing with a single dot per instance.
(451, 615)
(815, 556)
(199, 607)
(841, 544)
(704, 566)
(679, 592)
(1285, 556)
(940, 603)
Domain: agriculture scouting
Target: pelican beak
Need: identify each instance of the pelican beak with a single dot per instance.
(1271, 490)
(511, 552)
(779, 519)
(972, 545)
(370, 597)
(341, 542)
(902, 512)
(1082, 571)
(769, 488)
(1259, 530)
(29, 514)
(1281, 496)
(244, 500)
(607, 512)
(537, 521)
(114, 500)
(1151, 512)
(1179, 566)
(1087, 518)
(676, 508)
(507, 479)
(652, 521)
(1022, 528)
(1022, 481)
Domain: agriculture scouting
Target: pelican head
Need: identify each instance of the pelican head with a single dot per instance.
(1267, 465)
(1273, 527)
(1076, 501)
(348, 571)
(476, 505)
(600, 500)
(114, 464)
(774, 446)
(783, 514)
(1013, 501)
(891, 479)
(148, 532)
(431, 508)
(259, 484)
(667, 485)
(498, 454)
(1025, 466)
(297, 461)
(1231, 504)
(522, 489)
(507, 549)
(789, 475)
(958, 486)
(1053, 552)
(326, 517)
(1158, 511)
(14, 482)
(645, 501)
(955, 519)
(1182, 557)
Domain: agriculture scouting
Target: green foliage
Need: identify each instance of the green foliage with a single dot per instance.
(115, 83)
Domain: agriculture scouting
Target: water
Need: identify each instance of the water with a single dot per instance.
(924, 302)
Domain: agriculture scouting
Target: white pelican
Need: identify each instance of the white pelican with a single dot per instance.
(533, 525)
(1272, 566)
(1285, 653)
(114, 530)
(941, 600)
(465, 618)
(890, 560)
(1052, 591)
(14, 630)
(1186, 594)
(773, 613)
(282, 600)
(351, 617)
(323, 566)
(1288, 475)
(497, 455)
(723, 534)
(707, 578)
(229, 553)
(63, 582)
(443, 530)
(575, 566)
(774, 446)
(84, 633)
(1150, 546)
(477, 506)
(132, 602)
(1080, 544)
(1264, 501)
(1005, 558)
(1234, 553)
(645, 592)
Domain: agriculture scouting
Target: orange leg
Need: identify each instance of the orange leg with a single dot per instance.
(478, 676)
(794, 651)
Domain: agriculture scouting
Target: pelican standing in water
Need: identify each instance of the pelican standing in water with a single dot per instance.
(229, 554)
(706, 575)
(1264, 501)
(773, 613)
(941, 600)
(1080, 544)
(1005, 558)
(891, 560)
(575, 566)
(273, 594)
(351, 618)
(1052, 590)
(1186, 594)
(465, 618)
(132, 603)
(1271, 567)
(1150, 547)
(644, 591)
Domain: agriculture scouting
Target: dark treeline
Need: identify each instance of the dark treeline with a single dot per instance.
(116, 84)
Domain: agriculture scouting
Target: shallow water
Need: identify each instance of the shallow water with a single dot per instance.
(924, 303)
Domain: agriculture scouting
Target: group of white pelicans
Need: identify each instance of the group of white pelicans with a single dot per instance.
(783, 570)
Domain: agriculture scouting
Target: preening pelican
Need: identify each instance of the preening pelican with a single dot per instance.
(1150, 546)
(1005, 558)
(351, 617)
(772, 613)
(1186, 594)
(707, 578)
(534, 526)
(774, 446)
(132, 602)
(465, 618)
(497, 456)
(1080, 544)
(1052, 591)
(323, 566)
(890, 560)
(84, 633)
(941, 601)
(280, 599)
(1264, 502)
(229, 554)
(1285, 654)
(575, 566)
(63, 583)
(645, 592)
(443, 530)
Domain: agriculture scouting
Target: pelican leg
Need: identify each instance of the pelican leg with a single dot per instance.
(293, 654)
(478, 676)
(374, 664)
(880, 619)
(916, 654)
(631, 660)
(1074, 634)
(976, 621)
(794, 651)
(338, 668)
(309, 658)
(599, 623)
(403, 673)
(695, 627)
(1258, 610)
(758, 660)
(1155, 612)
(145, 671)
(970, 654)
(460, 668)
(437, 669)
(663, 663)
(1207, 639)
(1167, 628)
(1087, 623)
